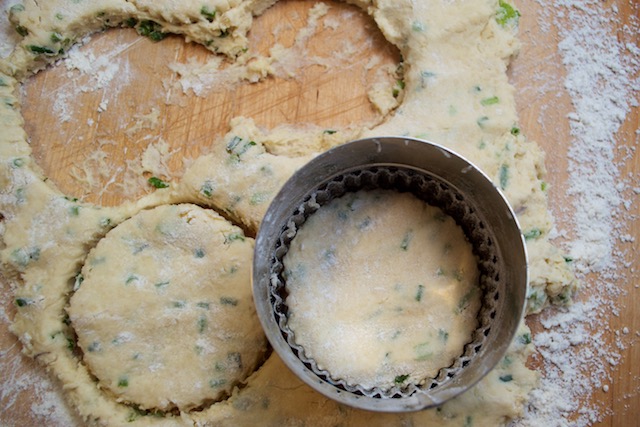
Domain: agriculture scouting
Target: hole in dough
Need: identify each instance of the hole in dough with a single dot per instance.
(99, 135)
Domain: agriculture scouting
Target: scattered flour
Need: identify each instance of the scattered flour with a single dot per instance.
(602, 79)
(101, 69)
(98, 72)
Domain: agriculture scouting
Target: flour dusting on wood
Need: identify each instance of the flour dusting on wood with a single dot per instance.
(603, 80)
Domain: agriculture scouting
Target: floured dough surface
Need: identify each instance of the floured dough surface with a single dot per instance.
(156, 308)
(382, 289)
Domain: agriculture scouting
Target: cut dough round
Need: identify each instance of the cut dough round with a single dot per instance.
(164, 312)
(382, 289)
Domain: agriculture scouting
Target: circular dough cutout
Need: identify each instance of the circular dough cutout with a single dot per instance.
(382, 289)
(164, 312)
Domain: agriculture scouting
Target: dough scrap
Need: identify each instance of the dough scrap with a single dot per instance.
(456, 93)
(157, 308)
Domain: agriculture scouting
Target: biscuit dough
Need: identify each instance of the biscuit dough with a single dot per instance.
(373, 325)
(156, 307)
(455, 92)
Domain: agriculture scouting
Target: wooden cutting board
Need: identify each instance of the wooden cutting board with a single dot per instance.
(142, 105)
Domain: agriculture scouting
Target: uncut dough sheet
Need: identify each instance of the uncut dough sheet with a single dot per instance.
(455, 93)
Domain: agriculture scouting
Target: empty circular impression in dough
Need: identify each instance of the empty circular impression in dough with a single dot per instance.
(382, 289)
(164, 313)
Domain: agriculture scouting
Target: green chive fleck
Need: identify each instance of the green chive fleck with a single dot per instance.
(21, 30)
(506, 378)
(425, 77)
(23, 302)
(217, 383)
(406, 240)
(78, 281)
(419, 293)
(504, 176)
(463, 304)
(228, 239)
(238, 146)
(233, 143)
(157, 182)
(130, 22)
(482, 121)
(151, 29)
(202, 323)
(228, 301)
(22, 257)
(423, 352)
(41, 50)
(18, 162)
(208, 13)
(525, 338)
(16, 8)
(131, 278)
(507, 15)
(133, 415)
(534, 233)
(258, 198)
(207, 189)
(490, 101)
(398, 87)
(123, 382)
(365, 223)
(417, 26)
(162, 285)
(234, 360)
(401, 378)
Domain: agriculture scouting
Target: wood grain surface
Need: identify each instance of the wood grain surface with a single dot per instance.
(331, 98)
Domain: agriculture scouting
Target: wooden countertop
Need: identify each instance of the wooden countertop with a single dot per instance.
(328, 99)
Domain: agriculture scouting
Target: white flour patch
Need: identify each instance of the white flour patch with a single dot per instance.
(602, 79)
(86, 72)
